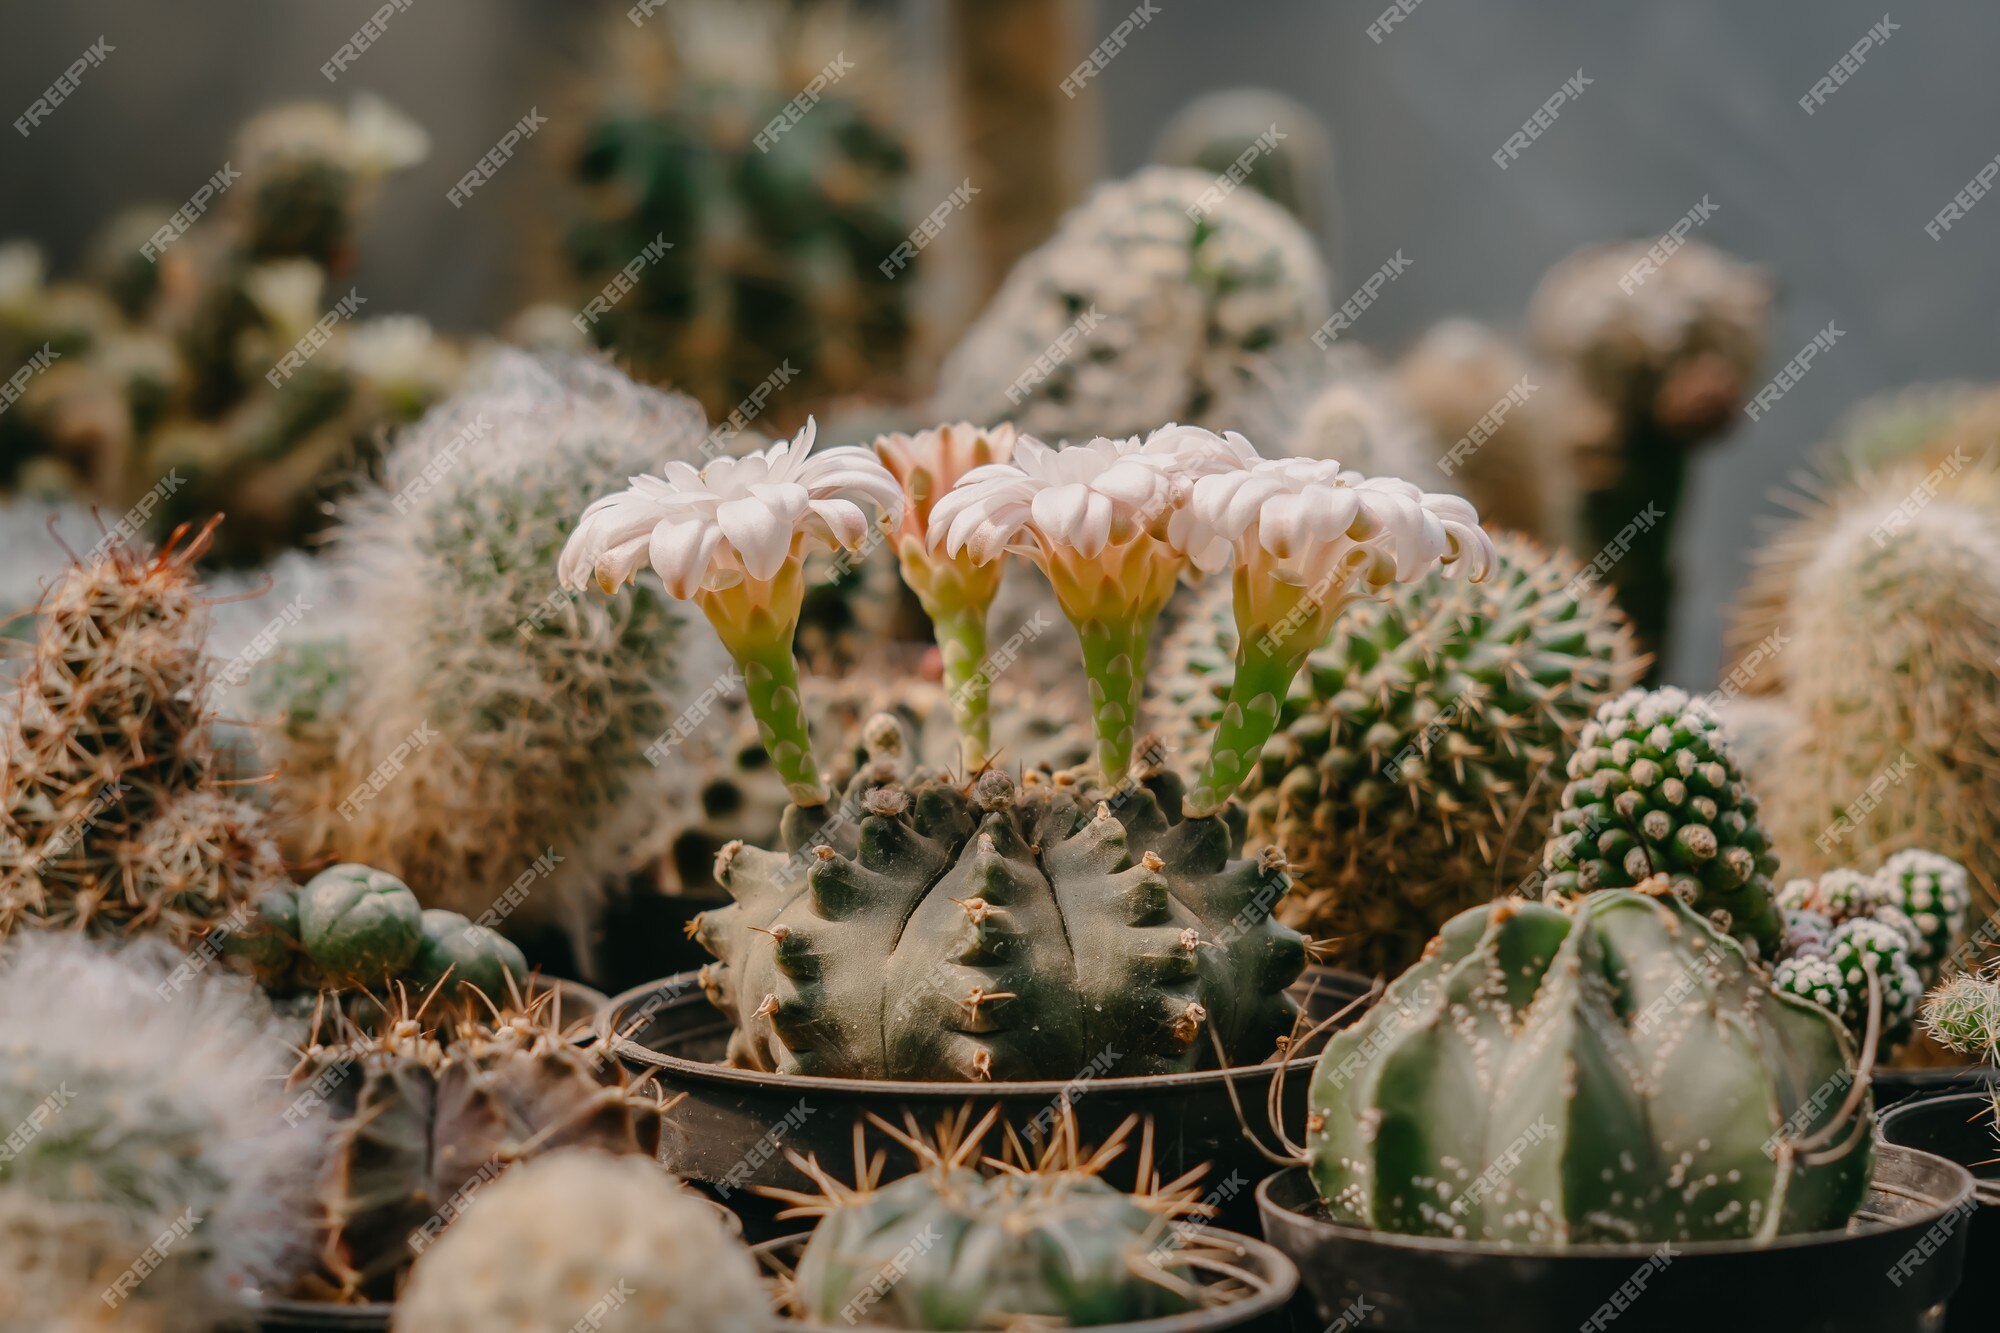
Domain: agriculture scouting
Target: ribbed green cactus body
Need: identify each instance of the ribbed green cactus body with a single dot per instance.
(1420, 752)
(1618, 1071)
(968, 1251)
(1653, 791)
(921, 929)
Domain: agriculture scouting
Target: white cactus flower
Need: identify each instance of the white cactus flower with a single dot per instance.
(1301, 521)
(735, 519)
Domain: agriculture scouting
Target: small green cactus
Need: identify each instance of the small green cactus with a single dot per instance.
(581, 1239)
(359, 924)
(923, 928)
(1045, 1242)
(1614, 1070)
(1653, 791)
(1963, 1015)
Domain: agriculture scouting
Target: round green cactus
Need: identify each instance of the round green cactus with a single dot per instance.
(476, 957)
(1869, 944)
(921, 928)
(1613, 1070)
(1653, 791)
(267, 946)
(359, 925)
(1933, 891)
(1964, 1015)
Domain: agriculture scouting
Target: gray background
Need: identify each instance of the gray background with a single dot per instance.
(1690, 98)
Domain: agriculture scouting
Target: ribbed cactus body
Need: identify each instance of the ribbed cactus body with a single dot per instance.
(1653, 791)
(1618, 1071)
(924, 928)
(1420, 752)
(986, 1252)
(425, 1119)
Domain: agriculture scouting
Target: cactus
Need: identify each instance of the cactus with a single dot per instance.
(765, 244)
(1256, 137)
(1669, 351)
(424, 1117)
(1963, 1015)
(1615, 1070)
(1891, 618)
(1509, 428)
(1419, 753)
(929, 930)
(1155, 315)
(114, 818)
(1044, 1242)
(148, 1166)
(490, 719)
(580, 1239)
(1652, 791)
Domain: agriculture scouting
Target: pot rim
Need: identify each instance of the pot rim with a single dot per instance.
(1628, 1252)
(332, 1311)
(679, 1066)
(1987, 1192)
(1271, 1296)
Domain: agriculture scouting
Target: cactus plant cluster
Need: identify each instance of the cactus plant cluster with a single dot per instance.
(583, 1239)
(1899, 924)
(1886, 598)
(175, 387)
(1419, 755)
(424, 1115)
(493, 730)
(1611, 1070)
(1653, 791)
(114, 817)
(946, 927)
(149, 1173)
(1669, 350)
(1145, 306)
(1020, 1241)
(356, 928)
(769, 243)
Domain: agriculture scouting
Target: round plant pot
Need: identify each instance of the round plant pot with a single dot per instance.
(1959, 1126)
(1891, 1271)
(1251, 1294)
(735, 1126)
(285, 1316)
(1895, 1086)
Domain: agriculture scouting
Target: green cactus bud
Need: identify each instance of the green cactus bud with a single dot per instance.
(1611, 1070)
(476, 958)
(359, 925)
(1815, 978)
(920, 929)
(1653, 791)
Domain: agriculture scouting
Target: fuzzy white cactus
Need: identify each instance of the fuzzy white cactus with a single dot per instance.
(581, 1239)
(150, 1167)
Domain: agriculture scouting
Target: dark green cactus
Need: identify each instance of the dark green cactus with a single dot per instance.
(424, 1117)
(474, 956)
(1613, 1070)
(1046, 1243)
(362, 926)
(921, 928)
(1653, 791)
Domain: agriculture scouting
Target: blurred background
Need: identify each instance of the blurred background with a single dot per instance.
(1695, 101)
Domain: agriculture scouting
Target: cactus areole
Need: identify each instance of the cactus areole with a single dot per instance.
(927, 929)
(1613, 1072)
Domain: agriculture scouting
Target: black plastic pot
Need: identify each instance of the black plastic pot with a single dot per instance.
(282, 1316)
(1259, 1282)
(734, 1128)
(1959, 1127)
(1891, 1271)
(1894, 1086)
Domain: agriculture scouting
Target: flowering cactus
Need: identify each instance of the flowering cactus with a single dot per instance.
(733, 538)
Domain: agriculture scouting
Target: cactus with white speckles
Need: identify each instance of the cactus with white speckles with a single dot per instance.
(1615, 1070)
